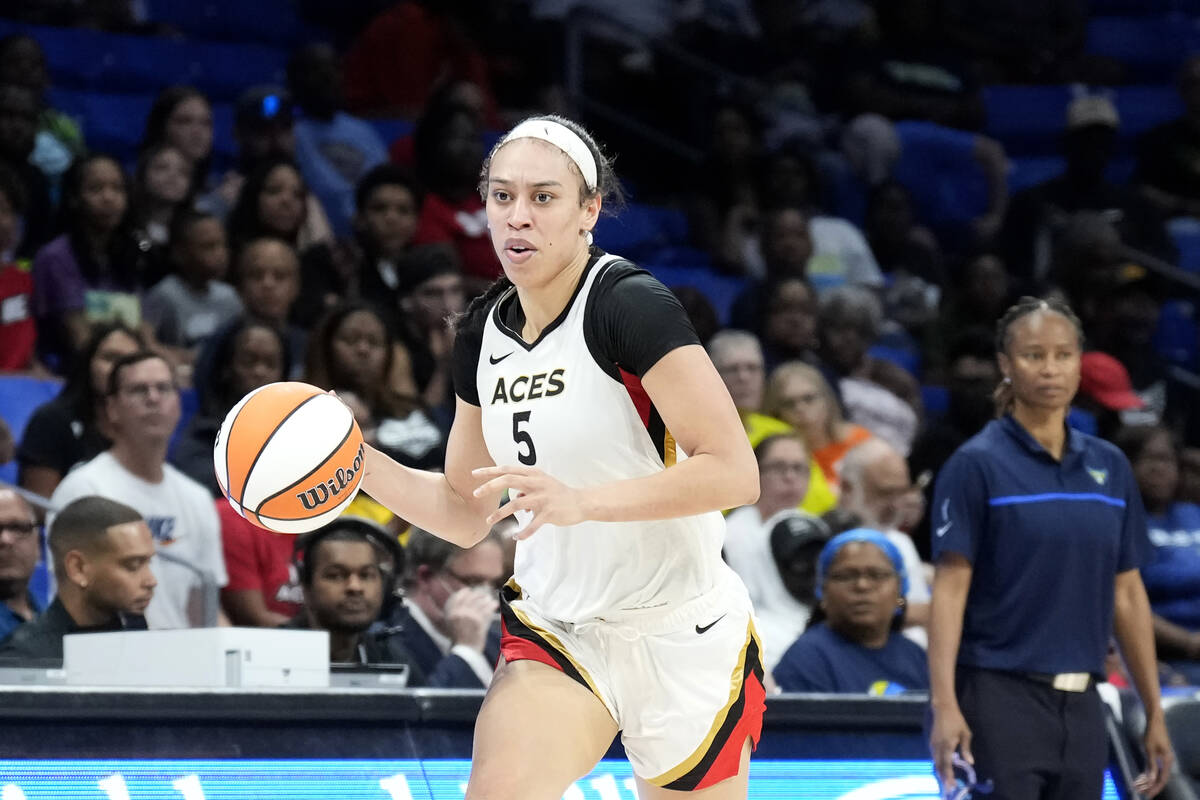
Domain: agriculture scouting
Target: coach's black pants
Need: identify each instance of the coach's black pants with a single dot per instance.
(1034, 741)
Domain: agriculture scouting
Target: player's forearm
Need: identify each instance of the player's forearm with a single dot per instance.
(424, 499)
(703, 482)
(1135, 636)
(951, 582)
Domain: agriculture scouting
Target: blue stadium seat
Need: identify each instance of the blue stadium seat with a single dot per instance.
(936, 400)
(113, 123)
(1176, 338)
(640, 230)
(1026, 172)
(1185, 234)
(272, 21)
(721, 290)
(1028, 120)
(938, 167)
(1152, 46)
(20, 395)
(1143, 107)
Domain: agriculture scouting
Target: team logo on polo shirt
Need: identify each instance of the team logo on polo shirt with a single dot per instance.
(1100, 476)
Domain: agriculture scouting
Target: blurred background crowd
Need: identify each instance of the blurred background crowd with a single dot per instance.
(845, 195)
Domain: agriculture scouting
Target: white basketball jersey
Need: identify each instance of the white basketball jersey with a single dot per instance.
(552, 406)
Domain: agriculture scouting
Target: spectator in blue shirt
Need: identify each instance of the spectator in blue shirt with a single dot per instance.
(334, 149)
(18, 558)
(1173, 579)
(853, 641)
(1038, 536)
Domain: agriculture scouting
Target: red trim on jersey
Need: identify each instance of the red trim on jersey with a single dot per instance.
(514, 648)
(748, 725)
(637, 393)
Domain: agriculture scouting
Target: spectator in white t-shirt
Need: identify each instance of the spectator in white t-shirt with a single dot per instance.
(142, 408)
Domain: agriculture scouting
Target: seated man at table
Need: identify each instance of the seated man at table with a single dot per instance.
(348, 573)
(448, 619)
(19, 552)
(102, 551)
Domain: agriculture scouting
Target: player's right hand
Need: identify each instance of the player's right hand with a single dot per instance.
(950, 734)
(469, 613)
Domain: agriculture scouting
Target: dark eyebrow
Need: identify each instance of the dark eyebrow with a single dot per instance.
(537, 185)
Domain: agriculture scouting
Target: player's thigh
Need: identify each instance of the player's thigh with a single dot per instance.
(537, 732)
(733, 788)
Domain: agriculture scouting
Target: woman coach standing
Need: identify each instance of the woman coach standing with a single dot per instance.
(1038, 535)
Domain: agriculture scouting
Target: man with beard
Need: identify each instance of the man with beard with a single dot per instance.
(971, 373)
(348, 573)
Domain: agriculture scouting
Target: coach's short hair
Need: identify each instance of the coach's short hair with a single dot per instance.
(84, 522)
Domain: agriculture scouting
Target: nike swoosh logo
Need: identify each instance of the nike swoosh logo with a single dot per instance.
(494, 360)
(941, 531)
(709, 625)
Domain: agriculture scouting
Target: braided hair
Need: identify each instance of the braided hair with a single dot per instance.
(1003, 395)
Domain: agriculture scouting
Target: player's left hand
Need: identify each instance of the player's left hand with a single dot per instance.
(549, 500)
(1159, 758)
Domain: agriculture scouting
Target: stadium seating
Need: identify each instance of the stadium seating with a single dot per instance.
(20, 395)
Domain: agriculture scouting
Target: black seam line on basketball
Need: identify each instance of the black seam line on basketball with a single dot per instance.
(692, 778)
(242, 498)
(228, 494)
(311, 472)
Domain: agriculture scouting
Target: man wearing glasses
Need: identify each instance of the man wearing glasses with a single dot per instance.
(18, 557)
(448, 618)
(142, 409)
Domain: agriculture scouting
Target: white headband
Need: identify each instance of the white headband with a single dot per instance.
(564, 139)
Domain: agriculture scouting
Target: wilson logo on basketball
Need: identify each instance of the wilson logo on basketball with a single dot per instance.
(322, 493)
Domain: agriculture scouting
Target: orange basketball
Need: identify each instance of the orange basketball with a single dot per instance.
(289, 457)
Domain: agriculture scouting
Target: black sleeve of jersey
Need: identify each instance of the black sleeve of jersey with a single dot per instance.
(633, 320)
(468, 341)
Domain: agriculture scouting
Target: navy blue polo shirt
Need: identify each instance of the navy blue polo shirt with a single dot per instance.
(1046, 541)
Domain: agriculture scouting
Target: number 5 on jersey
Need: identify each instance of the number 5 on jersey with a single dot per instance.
(522, 437)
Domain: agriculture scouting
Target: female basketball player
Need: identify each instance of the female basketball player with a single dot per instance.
(580, 376)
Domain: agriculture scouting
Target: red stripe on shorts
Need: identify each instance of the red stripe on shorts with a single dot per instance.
(514, 648)
(748, 725)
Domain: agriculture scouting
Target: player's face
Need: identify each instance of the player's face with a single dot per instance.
(533, 211)
(1042, 359)
(783, 473)
(118, 573)
(18, 539)
(346, 592)
(861, 592)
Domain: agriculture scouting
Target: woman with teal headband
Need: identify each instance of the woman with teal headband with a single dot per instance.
(853, 642)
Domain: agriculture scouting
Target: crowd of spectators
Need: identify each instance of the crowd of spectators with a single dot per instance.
(858, 348)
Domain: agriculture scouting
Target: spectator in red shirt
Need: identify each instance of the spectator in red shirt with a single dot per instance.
(394, 65)
(18, 333)
(264, 588)
(448, 145)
